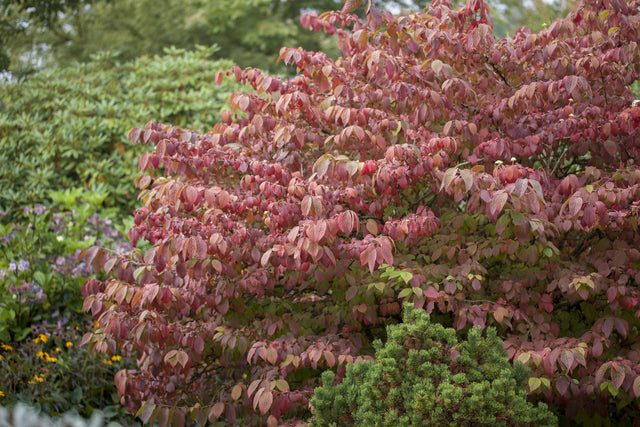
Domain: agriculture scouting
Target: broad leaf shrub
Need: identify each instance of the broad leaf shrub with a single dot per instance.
(489, 182)
(423, 375)
(64, 128)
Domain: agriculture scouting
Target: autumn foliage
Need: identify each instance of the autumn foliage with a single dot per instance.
(490, 182)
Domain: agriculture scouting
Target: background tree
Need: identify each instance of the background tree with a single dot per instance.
(20, 18)
(137, 28)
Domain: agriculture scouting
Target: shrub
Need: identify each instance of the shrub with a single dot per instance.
(489, 182)
(422, 375)
(64, 128)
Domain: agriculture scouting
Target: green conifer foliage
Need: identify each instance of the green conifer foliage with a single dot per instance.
(422, 375)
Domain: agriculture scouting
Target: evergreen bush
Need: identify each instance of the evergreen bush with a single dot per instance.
(64, 128)
(423, 376)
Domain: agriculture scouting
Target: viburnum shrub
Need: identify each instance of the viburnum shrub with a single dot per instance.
(489, 182)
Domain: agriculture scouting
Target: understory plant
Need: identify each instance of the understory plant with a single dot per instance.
(41, 322)
(40, 274)
(489, 182)
(423, 376)
(52, 372)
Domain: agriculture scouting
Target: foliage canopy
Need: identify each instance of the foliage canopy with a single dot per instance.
(489, 182)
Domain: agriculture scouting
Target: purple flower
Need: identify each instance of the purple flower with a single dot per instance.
(23, 265)
(27, 210)
(60, 260)
(2, 213)
(39, 209)
(37, 291)
(13, 266)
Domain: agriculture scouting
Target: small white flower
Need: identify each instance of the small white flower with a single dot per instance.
(498, 162)
(513, 159)
(635, 103)
(59, 238)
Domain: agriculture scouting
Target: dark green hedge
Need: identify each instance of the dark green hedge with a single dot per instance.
(66, 127)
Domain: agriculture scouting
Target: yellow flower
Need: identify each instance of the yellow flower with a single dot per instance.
(6, 347)
(1, 393)
(37, 378)
(50, 359)
(68, 344)
(42, 354)
(106, 361)
(57, 350)
(0, 357)
(116, 358)
(41, 338)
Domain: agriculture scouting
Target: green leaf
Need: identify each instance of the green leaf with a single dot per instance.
(534, 383)
(406, 276)
(405, 293)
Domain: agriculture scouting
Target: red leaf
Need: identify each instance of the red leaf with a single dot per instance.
(223, 199)
(252, 387)
(183, 358)
(306, 205)
(272, 355)
(497, 204)
(636, 387)
(330, 358)
(215, 411)
(597, 349)
(611, 147)
(134, 135)
(617, 376)
(198, 345)
(431, 293)
(562, 385)
(351, 5)
(264, 404)
(567, 358)
(351, 292)
(575, 204)
(607, 327)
